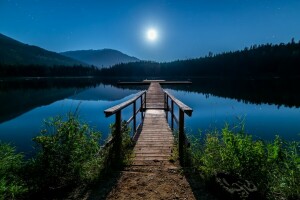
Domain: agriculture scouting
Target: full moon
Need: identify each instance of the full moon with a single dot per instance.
(152, 34)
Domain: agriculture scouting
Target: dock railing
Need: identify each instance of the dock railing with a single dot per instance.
(183, 142)
(169, 102)
(116, 140)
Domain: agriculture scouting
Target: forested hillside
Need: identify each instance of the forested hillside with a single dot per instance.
(262, 61)
(15, 53)
(280, 60)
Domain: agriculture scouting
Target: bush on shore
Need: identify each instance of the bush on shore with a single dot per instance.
(68, 154)
(273, 166)
(11, 164)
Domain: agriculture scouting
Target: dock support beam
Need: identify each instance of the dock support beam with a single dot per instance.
(172, 115)
(117, 141)
(181, 137)
(134, 117)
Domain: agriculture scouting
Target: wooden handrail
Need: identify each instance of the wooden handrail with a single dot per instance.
(187, 110)
(116, 140)
(113, 110)
(117, 111)
(183, 109)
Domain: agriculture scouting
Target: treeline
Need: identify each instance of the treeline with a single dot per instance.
(280, 60)
(260, 91)
(258, 61)
(46, 71)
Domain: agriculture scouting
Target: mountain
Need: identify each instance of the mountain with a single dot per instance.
(100, 58)
(13, 52)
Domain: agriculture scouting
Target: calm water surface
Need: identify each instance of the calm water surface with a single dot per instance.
(23, 111)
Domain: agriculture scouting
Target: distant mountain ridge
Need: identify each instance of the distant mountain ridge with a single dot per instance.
(13, 52)
(100, 58)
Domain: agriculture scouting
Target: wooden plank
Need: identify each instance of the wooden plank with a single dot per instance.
(156, 147)
(163, 151)
(155, 96)
(156, 139)
(155, 143)
(149, 81)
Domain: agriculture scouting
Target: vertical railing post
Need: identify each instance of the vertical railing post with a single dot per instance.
(165, 100)
(145, 100)
(141, 109)
(181, 137)
(172, 115)
(167, 105)
(117, 140)
(134, 117)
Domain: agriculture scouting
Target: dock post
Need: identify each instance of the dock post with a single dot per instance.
(134, 117)
(142, 108)
(181, 137)
(145, 100)
(166, 105)
(172, 115)
(117, 140)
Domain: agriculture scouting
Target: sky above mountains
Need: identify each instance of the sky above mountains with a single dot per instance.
(184, 29)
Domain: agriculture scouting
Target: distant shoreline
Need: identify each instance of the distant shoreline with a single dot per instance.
(188, 78)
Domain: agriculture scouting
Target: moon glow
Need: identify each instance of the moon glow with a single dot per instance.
(151, 34)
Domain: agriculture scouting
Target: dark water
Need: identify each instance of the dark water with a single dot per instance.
(266, 108)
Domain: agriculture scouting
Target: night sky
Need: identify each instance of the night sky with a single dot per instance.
(185, 29)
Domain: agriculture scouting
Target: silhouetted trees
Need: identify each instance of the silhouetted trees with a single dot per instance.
(258, 61)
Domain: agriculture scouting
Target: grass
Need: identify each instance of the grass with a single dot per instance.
(11, 163)
(124, 148)
(69, 154)
(273, 166)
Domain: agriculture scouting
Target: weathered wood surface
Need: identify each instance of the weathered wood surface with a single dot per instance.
(160, 81)
(155, 142)
(155, 96)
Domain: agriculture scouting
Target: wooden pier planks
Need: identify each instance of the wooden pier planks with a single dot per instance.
(155, 143)
(155, 96)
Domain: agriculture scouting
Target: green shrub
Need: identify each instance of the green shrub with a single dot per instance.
(11, 163)
(274, 167)
(122, 156)
(68, 153)
(127, 145)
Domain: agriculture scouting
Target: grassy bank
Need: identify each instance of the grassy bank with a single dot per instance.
(68, 154)
(274, 167)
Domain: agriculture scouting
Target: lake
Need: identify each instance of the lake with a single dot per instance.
(266, 107)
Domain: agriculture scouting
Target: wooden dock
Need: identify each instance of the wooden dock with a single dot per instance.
(154, 137)
(162, 82)
(155, 142)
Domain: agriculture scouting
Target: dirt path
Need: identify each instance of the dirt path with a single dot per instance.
(151, 182)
